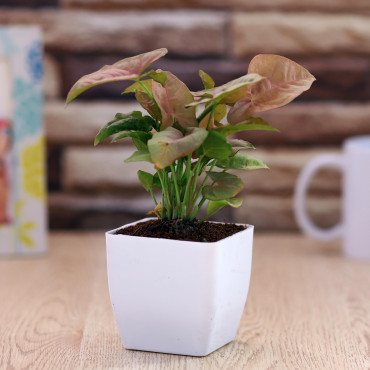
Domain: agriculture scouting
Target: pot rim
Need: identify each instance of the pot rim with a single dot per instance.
(249, 228)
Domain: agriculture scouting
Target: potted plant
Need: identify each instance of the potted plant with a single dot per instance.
(179, 284)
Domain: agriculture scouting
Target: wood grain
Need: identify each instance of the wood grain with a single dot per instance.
(308, 308)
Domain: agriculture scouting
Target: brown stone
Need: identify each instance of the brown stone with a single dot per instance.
(52, 78)
(29, 3)
(338, 5)
(324, 123)
(284, 168)
(80, 121)
(342, 78)
(185, 69)
(298, 33)
(183, 32)
(101, 168)
(313, 123)
(104, 212)
(267, 212)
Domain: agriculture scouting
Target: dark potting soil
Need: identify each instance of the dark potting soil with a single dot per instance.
(182, 230)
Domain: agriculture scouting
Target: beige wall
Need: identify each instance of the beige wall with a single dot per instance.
(92, 188)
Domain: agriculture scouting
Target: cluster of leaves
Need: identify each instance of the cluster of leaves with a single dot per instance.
(193, 152)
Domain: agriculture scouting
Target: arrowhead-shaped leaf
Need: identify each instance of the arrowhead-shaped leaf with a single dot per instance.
(241, 162)
(139, 138)
(207, 80)
(140, 156)
(170, 144)
(215, 205)
(172, 99)
(252, 123)
(146, 179)
(284, 81)
(226, 186)
(125, 122)
(142, 96)
(157, 75)
(126, 69)
(228, 93)
(239, 144)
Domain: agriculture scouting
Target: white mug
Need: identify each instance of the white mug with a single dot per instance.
(354, 162)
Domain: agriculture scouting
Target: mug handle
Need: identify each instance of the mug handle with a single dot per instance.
(300, 193)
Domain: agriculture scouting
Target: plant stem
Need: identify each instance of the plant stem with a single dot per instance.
(193, 186)
(203, 182)
(166, 201)
(196, 211)
(152, 194)
(188, 176)
(206, 111)
(211, 115)
(177, 192)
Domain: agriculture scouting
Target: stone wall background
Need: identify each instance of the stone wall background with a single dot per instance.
(91, 188)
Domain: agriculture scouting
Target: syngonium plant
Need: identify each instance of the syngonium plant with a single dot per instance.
(192, 151)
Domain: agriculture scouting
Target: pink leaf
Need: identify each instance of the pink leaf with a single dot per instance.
(284, 81)
(126, 69)
(172, 99)
(170, 144)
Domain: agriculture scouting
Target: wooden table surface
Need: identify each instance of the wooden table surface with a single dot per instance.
(308, 308)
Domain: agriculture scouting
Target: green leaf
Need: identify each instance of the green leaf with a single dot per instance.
(140, 156)
(146, 179)
(220, 112)
(215, 205)
(284, 81)
(241, 162)
(215, 146)
(207, 80)
(159, 76)
(138, 87)
(170, 144)
(252, 123)
(239, 144)
(225, 186)
(125, 122)
(228, 93)
(172, 99)
(126, 69)
(139, 135)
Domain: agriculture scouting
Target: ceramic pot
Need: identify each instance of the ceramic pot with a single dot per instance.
(175, 296)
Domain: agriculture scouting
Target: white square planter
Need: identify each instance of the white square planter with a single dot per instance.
(178, 297)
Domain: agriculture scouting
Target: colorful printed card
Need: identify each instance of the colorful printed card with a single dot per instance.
(23, 225)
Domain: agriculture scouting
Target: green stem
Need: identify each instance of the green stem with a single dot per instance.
(152, 194)
(203, 182)
(166, 201)
(206, 111)
(179, 174)
(208, 216)
(177, 192)
(196, 211)
(195, 176)
(211, 115)
(188, 176)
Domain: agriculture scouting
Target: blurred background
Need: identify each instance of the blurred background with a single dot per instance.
(91, 188)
